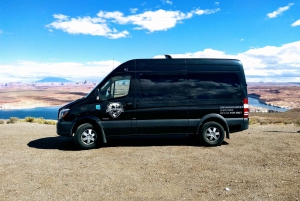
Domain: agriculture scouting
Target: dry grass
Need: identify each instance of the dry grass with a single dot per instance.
(290, 117)
(261, 163)
(12, 120)
(40, 120)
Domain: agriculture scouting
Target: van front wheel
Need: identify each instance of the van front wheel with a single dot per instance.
(212, 134)
(86, 136)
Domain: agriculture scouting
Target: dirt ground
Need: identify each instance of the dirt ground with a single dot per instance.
(261, 163)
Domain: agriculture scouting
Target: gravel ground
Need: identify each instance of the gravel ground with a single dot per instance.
(261, 163)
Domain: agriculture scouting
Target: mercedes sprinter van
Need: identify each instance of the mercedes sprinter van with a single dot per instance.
(204, 97)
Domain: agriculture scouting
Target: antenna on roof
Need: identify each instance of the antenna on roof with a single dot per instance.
(168, 56)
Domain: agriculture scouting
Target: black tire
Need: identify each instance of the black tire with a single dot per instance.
(86, 136)
(212, 134)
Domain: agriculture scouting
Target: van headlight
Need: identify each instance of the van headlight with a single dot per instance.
(63, 113)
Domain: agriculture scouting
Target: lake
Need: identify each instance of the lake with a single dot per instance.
(255, 102)
(45, 112)
(51, 112)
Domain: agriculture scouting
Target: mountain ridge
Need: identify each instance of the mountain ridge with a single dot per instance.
(54, 79)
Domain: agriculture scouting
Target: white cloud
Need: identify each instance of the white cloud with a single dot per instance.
(297, 23)
(279, 11)
(270, 63)
(206, 11)
(85, 25)
(0, 31)
(133, 10)
(217, 3)
(159, 20)
(167, 2)
(60, 17)
(28, 71)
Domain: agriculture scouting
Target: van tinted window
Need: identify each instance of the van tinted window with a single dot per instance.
(214, 86)
(162, 88)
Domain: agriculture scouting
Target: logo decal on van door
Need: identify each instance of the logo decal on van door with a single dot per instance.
(114, 109)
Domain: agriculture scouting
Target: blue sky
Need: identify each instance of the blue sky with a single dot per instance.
(84, 39)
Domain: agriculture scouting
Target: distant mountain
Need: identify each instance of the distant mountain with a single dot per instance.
(54, 79)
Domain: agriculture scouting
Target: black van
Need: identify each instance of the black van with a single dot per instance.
(205, 97)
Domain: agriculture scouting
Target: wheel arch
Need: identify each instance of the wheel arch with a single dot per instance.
(216, 118)
(94, 121)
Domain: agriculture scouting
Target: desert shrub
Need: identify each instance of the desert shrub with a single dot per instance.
(50, 122)
(2, 121)
(39, 120)
(12, 120)
(297, 122)
(29, 119)
(288, 121)
(263, 121)
(253, 121)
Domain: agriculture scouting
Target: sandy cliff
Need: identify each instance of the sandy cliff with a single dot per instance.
(17, 97)
(277, 95)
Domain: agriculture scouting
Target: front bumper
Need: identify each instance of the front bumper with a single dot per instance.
(64, 128)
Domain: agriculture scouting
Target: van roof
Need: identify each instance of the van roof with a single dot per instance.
(182, 61)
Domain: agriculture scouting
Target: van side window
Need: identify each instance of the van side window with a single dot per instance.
(115, 87)
(214, 85)
(162, 88)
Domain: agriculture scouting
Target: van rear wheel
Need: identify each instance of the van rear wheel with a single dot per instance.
(212, 134)
(86, 136)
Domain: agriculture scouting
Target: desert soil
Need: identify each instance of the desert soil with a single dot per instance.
(261, 163)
